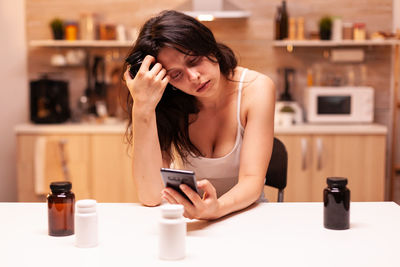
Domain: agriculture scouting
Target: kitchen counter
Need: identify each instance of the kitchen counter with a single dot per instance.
(71, 128)
(320, 129)
(119, 128)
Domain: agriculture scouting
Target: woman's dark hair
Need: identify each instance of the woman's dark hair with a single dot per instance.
(187, 35)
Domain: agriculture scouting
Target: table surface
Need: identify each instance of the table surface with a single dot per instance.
(268, 234)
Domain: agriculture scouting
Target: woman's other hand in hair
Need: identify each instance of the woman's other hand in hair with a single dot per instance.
(206, 207)
(148, 86)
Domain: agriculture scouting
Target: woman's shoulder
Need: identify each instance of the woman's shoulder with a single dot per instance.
(256, 84)
(258, 95)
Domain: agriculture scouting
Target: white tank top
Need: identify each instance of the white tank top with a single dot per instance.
(222, 172)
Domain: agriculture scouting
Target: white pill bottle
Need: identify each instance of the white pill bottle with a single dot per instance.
(86, 225)
(172, 232)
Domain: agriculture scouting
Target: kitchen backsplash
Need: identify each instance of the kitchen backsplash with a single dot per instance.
(250, 38)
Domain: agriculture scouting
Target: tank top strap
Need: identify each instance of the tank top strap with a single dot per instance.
(240, 97)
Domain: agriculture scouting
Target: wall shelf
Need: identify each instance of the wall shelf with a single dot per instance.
(319, 43)
(80, 43)
(129, 43)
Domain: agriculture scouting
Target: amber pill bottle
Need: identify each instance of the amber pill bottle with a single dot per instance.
(60, 203)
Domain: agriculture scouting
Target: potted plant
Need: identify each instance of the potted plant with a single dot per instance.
(286, 116)
(325, 28)
(57, 27)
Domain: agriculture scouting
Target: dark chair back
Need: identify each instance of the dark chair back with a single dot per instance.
(277, 169)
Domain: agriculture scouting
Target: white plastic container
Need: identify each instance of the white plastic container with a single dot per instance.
(86, 225)
(172, 234)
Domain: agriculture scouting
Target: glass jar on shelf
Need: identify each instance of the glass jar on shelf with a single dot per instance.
(359, 32)
(71, 30)
(347, 31)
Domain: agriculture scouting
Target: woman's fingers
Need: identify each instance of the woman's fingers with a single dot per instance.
(127, 74)
(155, 70)
(192, 195)
(146, 63)
(189, 208)
(207, 187)
(165, 81)
(161, 74)
(165, 195)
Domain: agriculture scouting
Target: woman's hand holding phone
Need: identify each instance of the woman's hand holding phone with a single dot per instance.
(206, 207)
(148, 86)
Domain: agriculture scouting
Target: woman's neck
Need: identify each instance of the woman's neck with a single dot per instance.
(226, 88)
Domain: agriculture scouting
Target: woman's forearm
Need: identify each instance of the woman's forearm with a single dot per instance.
(242, 195)
(147, 159)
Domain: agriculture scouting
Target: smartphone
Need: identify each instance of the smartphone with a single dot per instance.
(174, 178)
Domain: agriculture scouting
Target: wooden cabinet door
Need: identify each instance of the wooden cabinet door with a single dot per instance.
(362, 160)
(111, 167)
(313, 158)
(323, 156)
(39, 162)
(299, 167)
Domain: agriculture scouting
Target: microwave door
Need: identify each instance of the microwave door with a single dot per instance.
(334, 105)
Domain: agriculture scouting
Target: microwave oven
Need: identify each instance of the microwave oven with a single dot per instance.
(347, 104)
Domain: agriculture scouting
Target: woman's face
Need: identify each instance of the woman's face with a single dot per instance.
(194, 75)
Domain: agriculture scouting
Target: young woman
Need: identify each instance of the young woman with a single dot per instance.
(192, 106)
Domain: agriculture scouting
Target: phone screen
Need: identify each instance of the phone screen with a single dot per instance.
(173, 178)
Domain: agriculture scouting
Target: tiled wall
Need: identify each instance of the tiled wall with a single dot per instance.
(250, 38)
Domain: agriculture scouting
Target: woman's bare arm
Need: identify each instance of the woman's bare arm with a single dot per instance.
(256, 148)
(146, 90)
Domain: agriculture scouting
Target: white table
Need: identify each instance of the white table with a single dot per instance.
(271, 234)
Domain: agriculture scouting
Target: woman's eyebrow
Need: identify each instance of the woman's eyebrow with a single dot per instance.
(171, 70)
(184, 57)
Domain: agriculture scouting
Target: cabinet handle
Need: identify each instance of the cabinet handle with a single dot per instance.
(304, 146)
(319, 153)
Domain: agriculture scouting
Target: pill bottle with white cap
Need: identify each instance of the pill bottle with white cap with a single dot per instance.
(86, 225)
(172, 232)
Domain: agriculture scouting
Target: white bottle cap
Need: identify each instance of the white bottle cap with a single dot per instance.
(172, 211)
(86, 206)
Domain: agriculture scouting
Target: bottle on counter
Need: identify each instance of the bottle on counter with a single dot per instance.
(86, 229)
(300, 28)
(172, 232)
(278, 16)
(292, 29)
(336, 204)
(284, 23)
(60, 203)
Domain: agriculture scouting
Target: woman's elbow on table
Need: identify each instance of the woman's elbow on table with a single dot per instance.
(149, 202)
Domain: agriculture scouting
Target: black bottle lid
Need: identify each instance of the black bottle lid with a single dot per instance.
(60, 187)
(336, 181)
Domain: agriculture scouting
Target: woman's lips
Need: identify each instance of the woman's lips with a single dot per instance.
(203, 86)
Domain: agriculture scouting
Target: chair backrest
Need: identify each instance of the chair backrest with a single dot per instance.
(277, 169)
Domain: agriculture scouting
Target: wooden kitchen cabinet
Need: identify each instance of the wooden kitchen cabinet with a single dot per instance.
(99, 161)
(313, 158)
(111, 166)
(99, 166)
(39, 162)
